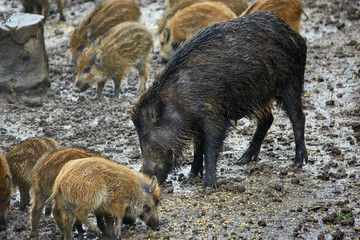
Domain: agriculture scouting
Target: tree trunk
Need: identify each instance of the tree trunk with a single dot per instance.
(24, 64)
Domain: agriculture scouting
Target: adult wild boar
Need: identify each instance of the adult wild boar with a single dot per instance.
(227, 71)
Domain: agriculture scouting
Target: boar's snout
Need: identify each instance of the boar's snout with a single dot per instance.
(81, 86)
(153, 223)
(158, 170)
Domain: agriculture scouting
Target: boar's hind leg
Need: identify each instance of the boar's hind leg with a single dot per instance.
(253, 151)
(297, 118)
(197, 165)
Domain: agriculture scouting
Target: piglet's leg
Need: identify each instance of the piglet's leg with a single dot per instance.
(82, 217)
(99, 90)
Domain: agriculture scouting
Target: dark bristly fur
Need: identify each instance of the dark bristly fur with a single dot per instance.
(225, 72)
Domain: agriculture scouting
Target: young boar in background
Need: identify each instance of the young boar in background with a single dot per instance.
(187, 22)
(288, 10)
(128, 45)
(42, 179)
(227, 71)
(6, 190)
(98, 185)
(99, 21)
(237, 6)
(42, 7)
(22, 158)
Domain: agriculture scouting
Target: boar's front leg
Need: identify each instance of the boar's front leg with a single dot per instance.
(214, 136)
(197, 165)
(255, 145)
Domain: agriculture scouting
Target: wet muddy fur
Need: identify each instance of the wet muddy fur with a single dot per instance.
(226, 72)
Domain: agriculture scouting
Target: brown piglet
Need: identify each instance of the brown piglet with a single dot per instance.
(128, 45)
(22, 158)
(237, 6)
(187, 22)
(288, 10)
(99, 21)
(96, 184)
(42, 179)
(6, 190)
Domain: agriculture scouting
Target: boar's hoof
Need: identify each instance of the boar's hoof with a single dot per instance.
(33, 235)
(299, 165)
(191, 177)
(245, 160)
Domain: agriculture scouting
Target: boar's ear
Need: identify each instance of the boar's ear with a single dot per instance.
(152, 186)
(155, 111)
(96, 59)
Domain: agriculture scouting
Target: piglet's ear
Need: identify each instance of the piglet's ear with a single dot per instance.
(150, 188)
(96, 59)
(153, 184)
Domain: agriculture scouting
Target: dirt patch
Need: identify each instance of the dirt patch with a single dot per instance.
(268, 199)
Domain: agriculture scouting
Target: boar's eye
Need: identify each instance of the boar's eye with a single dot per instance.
(87, 70)
(147, 209)
(80, 48)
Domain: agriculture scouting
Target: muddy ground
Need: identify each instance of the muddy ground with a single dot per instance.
(268, 199)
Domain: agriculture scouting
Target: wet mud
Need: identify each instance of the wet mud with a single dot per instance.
(267, 199)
